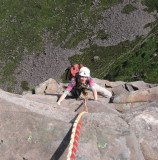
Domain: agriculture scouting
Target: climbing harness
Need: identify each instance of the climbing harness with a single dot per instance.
(76, 132)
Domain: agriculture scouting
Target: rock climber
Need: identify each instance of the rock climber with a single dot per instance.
(79, 83)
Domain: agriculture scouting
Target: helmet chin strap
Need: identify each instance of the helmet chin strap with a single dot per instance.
(83, 83)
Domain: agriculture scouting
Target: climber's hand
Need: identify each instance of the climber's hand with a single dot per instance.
(97, 101)
(58, 103)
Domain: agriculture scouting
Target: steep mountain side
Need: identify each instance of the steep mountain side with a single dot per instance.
(128, 61)
(38, 37)
(141, 63)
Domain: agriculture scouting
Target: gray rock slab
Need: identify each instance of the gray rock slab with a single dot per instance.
(144, 122)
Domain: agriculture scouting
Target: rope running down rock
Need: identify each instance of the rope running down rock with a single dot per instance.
(75, 133)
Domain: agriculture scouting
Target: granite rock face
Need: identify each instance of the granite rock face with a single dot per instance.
(35, 127)
(143, 121)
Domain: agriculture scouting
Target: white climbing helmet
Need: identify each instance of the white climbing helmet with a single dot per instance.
(85, 72)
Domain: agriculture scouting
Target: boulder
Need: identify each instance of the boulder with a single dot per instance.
(144, 122)
(100, 82)
(106, 136)
(96, 58)
(139, 85)
(147, 95)
(113, 84)
(120, 89)
(124, 107)
(50, 87)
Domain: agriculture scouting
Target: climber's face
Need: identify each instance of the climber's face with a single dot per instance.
(83, 79)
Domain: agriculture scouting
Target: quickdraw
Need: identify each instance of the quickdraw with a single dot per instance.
(75, 133)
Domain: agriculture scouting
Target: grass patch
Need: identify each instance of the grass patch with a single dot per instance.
(24, 85)
(33, 90)
(107, 4)
(9, 89)
(151, 25)
(78, 37)
(128, 9)
(151, 4)
(8, 69)
(103, 35)
(134, 1)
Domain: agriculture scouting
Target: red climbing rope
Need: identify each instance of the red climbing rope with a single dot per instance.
(85, 105)
(76, 133)
(75, 144)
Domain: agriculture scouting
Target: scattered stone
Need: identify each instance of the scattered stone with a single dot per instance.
(96, 58)
(155, 54)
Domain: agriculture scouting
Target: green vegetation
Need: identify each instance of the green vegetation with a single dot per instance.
(128, 61)
(73, 41)
(151, 4)
(23, 25)
(24, 85)
(102, 34)
(134, 1)
(9, 89)
(128, 9)
(33, 90)
(140, 64)
(107, 55)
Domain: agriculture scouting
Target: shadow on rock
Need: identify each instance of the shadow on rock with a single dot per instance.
(58, 95)
(63, 145)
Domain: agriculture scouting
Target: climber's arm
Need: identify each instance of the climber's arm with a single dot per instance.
(67, 91)
(95, 95)
(61, 98)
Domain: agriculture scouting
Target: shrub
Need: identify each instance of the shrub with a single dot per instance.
(24, 85)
